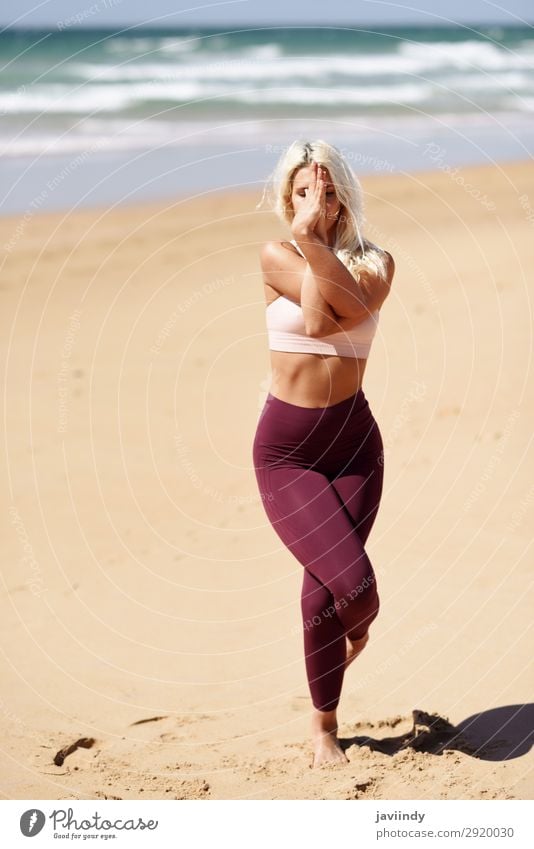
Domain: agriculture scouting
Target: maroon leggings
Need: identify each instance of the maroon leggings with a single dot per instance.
(320, 473)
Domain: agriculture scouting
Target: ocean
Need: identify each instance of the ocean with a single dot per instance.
(92, 117)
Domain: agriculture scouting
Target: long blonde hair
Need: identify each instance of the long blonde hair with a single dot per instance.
(349, 240)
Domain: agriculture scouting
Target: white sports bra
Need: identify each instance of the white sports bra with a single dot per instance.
(286, 331)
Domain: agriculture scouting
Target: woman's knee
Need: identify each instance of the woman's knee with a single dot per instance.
(354, 586)
(315, 606)
(359, 605)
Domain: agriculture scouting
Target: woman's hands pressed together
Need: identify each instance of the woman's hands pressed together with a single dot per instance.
(310, 216)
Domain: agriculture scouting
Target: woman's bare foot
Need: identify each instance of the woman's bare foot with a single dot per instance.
(354, 647)
(326, 745)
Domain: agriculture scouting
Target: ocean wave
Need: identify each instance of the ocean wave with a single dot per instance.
(227, 71)
(468, 54)
(105, 98)
(138, 48)
(264, 63)
(488, 82)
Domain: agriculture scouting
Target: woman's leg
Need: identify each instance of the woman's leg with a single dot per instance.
(324, 636)
(325, 647)
(361, 496)
(310, 517)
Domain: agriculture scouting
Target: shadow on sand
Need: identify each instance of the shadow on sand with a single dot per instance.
(500, 734)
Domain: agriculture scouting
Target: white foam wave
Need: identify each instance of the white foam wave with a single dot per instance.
(89, 98)
(488, 82)
(467, 54)
(108, 98)
(241, 68)
(265, 63)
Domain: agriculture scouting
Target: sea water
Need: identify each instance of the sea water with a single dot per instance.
(92, 117)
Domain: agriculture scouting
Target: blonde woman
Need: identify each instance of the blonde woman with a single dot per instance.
(317, 451)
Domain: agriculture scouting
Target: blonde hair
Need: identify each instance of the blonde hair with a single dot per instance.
(349, 240)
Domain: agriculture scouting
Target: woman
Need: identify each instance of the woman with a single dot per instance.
(318, 450)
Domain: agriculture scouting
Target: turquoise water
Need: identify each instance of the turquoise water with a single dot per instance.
(99, 100)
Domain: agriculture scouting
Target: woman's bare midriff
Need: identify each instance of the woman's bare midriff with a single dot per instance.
(314, 380)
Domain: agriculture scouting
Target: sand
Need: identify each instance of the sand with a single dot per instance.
(148, 605)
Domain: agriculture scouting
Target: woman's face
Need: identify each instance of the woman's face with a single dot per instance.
(302, 180)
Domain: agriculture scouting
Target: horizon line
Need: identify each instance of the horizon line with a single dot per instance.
(268, 25)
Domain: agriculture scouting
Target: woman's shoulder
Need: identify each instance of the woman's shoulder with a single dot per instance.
(277, 244)
(385, 256)
(276, 248)
(376, 258)
(377, 250)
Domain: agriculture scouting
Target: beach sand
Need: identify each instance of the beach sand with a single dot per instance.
(148, 604)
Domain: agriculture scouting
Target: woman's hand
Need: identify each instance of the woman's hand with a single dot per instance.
(311, 214)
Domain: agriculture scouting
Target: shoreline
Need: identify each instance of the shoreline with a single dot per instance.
(206, 195)
(94, 177)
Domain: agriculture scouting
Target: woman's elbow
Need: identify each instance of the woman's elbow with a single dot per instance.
(321, 327)
(315, 331)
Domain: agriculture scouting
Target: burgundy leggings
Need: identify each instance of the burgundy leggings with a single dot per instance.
(320, 473)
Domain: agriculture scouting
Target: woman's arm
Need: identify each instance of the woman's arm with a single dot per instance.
(348, 297)
(319, 317)
(288, 273)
